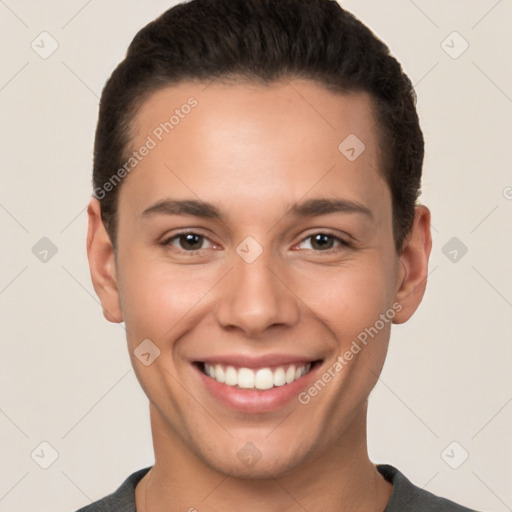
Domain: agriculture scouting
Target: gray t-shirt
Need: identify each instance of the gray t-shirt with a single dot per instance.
(405, 496)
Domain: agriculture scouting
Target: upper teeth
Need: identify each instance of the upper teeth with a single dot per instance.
(264, 378)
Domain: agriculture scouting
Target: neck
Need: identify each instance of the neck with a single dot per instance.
(341, 479)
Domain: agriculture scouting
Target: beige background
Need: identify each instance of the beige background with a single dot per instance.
(65, 374)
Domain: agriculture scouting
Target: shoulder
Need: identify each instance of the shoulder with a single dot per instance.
(122, 500)
(406, 496)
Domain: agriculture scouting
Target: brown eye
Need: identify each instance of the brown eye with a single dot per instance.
(191, 242)
(188, 242)
(322, 242)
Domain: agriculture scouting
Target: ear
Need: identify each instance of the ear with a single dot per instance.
(102, 264)
(414, 265)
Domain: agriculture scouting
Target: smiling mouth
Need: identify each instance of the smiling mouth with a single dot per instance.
(260, 378)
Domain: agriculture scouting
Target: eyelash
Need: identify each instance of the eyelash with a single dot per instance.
(340, 241)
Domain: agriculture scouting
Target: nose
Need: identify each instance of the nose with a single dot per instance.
(255, 297)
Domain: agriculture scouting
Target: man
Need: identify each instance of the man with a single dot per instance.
(255, 226)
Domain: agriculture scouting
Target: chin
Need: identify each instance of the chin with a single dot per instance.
(253, 463)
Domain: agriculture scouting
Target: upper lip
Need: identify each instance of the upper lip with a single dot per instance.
(265, 361)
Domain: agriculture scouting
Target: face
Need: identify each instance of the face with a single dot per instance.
(256, 258)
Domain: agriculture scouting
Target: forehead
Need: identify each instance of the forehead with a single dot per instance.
(255, 141)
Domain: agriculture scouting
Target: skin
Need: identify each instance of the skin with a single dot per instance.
(254, 152)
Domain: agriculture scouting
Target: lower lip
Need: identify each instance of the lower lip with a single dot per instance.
(254, 400)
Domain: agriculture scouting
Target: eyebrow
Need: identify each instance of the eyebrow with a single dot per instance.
(309, 208)
(316, 207)
(189, 207)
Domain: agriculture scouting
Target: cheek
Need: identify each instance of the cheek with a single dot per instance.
(160, 303)
(350, 298)
(156, 298)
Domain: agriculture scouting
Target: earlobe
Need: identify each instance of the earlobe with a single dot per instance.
(414, 263)
(102, 264)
